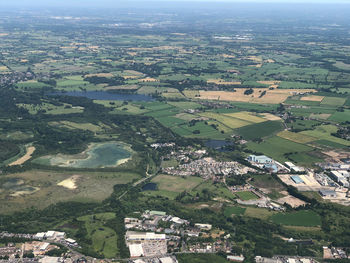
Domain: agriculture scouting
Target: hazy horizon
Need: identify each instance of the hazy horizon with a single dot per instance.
(112, 3)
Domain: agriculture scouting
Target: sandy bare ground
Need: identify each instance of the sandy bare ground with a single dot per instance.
(222, 82)
(26, 157)
(291, 200)
(148, 80)
(269, 82)
(270, 117)
(104, 75)
(312, 98)
(70, 183)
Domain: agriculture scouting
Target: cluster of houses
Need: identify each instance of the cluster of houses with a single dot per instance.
(154, 234)
(335, 253)
(207, 168)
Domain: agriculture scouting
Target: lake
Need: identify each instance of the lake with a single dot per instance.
(98, 155)
(104, 95)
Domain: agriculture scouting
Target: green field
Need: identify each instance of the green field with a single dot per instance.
(323, 132)
(246, 195)
(259, 130)
(333, 101)
(104, 239)
(300, 218)
(200, 258)
(170, 186)
(230, 122)
(340, 116)
(276, 148)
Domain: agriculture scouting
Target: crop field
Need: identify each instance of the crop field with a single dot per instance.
(104, 239)
(259, 130)
(228, 121)
(263, 95)
(246, 195)
(333, 101)
(340, 116)
(296, 137)
(170, 186)
(323, 132)
(246, 116)
(300, 218)
(276, 148)
(312, 98)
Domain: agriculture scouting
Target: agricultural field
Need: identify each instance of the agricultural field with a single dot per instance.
(266, 95)
(259, 130)
(323, 132)
(279, 148)
(296, 137)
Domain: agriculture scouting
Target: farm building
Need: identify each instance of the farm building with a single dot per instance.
(235, 258)
(327, 193)
(271, 167)
(293, 167)
(262, 159)
(340, 178)
(296, 179)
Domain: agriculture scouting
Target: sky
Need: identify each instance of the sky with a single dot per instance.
(116, 3)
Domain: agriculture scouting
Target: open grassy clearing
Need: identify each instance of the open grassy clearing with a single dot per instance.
(91, 187)
(234, 210)
(299, 218)
(170, 186)
(80, 126)
(246, 195)
(16, 135)
(260, 213)
(266, 182)
(48, 108)
(104, 239)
